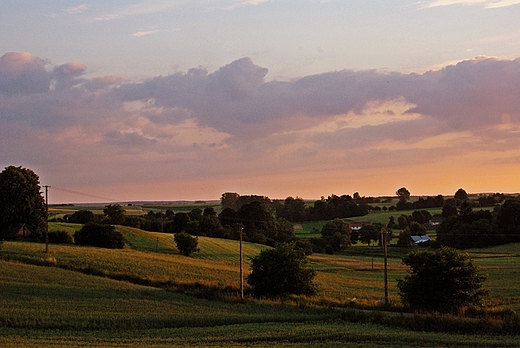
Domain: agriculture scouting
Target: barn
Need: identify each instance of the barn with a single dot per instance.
(19, 231)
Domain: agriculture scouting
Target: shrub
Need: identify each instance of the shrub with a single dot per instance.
(104, 236)
(60, 237)
(281, 272)
(186, 244)
(441, 281)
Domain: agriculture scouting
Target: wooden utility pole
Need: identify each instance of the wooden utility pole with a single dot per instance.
(46, 219)
(384, 234)
(241, 267)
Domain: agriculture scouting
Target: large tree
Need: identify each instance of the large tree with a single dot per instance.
(280, 272)
(21, 201)
(115, 214)
(403, 194)
(335, 235)
(461, 195)
(441, 281)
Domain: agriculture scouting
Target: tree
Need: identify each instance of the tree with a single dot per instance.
(336, 235)
(369, 233)
(186, 244)
(179, 223)
(258, 222)
(292, 209)
(449, 209)
(115, 214)
(280, 272)
(229, 200)
(405, 238)
(99, 235)
(403, 194)
(21, 201)
(82, 217)
(508, 220)
(461, 195)
(441, 281)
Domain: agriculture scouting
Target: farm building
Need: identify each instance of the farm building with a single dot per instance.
(17, 232)
(420, 239)
(356, 226)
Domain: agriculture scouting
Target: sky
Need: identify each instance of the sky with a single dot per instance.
(117, 101)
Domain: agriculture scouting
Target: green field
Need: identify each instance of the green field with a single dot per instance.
(47, 300)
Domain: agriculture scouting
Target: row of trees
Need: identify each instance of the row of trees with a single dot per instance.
(297, 210)
(467, 228)
(253, 220)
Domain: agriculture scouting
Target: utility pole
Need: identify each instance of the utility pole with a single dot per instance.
(384, 234)
(46, 218)
(241, 267)
(162, 223)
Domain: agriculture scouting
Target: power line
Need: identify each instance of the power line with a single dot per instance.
(86, 194)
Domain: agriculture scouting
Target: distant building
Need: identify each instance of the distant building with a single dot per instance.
(420, 239)
(18, 232)
(356, 226)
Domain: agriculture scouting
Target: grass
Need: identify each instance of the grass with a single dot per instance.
(355, 274)
(52, 306)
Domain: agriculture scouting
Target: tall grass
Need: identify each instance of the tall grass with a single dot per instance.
(49, 307)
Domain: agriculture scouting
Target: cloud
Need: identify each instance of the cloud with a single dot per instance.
(145, 32)
(139, 9)
(485, 3)
(242, 3)
(22, 73)
(232, 124)
(77, 9)
(151, 31)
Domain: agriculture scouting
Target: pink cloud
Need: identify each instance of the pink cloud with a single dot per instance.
(232, 126)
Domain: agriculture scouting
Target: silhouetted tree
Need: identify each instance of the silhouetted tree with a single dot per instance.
(441, 281)
(280, 272)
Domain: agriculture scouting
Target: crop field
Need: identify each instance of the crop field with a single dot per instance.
(59, 305)
(51, 307)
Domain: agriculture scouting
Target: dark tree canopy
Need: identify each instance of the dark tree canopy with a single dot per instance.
(369, 233)
(99, 235)
(229, 200)
(461, 195)
(280, 272)
(82, 217)
(403, 194)
(508, 220)
(449, 209)
(21, 201)
(441, 281)
(186, 244)
(335, 236)
(115, 214)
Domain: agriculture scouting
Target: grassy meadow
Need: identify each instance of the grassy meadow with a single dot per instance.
(143, 295)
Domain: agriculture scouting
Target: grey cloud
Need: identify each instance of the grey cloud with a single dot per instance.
(237, 100)
(23, 73)
(67, 75)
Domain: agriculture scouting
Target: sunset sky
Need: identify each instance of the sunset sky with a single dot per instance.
(187, 99)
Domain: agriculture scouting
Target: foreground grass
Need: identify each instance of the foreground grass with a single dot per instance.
(51, 307)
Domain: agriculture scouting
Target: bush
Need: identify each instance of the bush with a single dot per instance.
(186, 243)
(104, 236)
(60, 237)
(281, 272)
(82, 217)
(441, 281)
